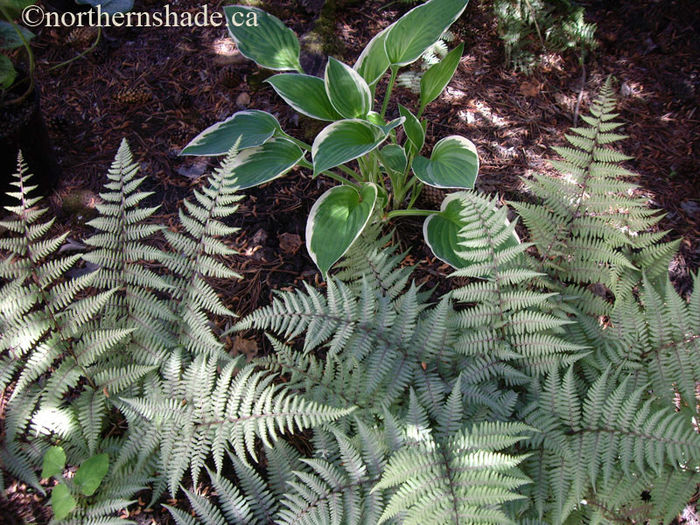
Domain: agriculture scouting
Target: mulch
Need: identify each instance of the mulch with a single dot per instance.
(160, 87)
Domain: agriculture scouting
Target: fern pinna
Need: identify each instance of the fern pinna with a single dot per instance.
(526, 395)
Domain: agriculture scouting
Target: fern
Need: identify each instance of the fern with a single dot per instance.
(119, 249)
(617, 426)
(196, 416)
(587, 229)
(451, 475)
(196, 251)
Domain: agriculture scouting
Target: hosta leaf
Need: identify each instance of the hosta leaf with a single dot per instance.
(273, 159)
(91, 473)
(373, 62)
(347, 90)
(412, 127)
(269, 43)
(441, 232)
(336, 219)
(436, 78)
(394, 158)
(54, 462)
(254, 128)
(61, 501)
(344, 141)
(306, 94)
(420, 28)
(453, 163)
(9, 39)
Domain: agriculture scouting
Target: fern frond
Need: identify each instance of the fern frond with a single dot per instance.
(459, 477)
(197, 249)
(194, 423)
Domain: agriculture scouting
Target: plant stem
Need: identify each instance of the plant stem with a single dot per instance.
(80, 55)
(302, 145)
(307, 147)
(409, 213)
(305, 164)
(389, 88)
(339, 178)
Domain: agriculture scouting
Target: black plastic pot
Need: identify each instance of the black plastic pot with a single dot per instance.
(23, 128)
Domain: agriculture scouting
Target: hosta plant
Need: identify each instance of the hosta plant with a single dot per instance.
(380, 170)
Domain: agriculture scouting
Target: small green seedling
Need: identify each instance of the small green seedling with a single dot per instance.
(86, 481)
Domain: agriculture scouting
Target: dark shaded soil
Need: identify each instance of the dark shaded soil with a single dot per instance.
(160, 87)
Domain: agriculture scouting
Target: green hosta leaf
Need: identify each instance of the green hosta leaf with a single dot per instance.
(441, 232)
(54, 462)
(306, 94)
(336, 219)
(7, 72)
(262, 164)
(436, 78)
(61, 501)
(344, 141)
(394, 158)
(412, 127)
(9, 39)
(263, 38)
(373, 62)
(91, 473)
(347, 90)
(110, 6)
(453, 163)
(254, 127)
(420, 28)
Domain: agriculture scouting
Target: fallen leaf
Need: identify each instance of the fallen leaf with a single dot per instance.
(289, 243)
(530, 89)
(246, 347)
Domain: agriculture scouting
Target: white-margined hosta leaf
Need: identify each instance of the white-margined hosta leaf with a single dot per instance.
(347, 90)
(306, 94)
(420, 28)
(336, 219)
(453, 163)
(413, 128)
(254, 127)
(255, 166)
(393, 158)
(373, 62)
(263, 38)
(444, 232)
(346, 140)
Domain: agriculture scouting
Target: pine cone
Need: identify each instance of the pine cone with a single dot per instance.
(81, 37)
(433, 196)
(133, 95)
